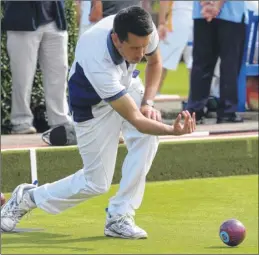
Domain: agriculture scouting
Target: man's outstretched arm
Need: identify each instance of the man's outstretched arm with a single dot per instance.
(128, 109)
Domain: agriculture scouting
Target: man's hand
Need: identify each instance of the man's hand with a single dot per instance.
(128, 109)
(205, 2)
(211, 9)
(187, 127)
(162, 17)
(151, 113)
(162, 32)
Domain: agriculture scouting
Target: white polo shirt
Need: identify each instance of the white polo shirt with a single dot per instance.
(99, 72)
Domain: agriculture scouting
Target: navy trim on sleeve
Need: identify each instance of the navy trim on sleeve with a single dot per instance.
(117, 96)
(151, 53)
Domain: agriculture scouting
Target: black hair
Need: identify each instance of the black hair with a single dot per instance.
(133, 19)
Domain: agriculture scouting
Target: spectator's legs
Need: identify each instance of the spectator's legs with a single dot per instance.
(231, 40)
(214, 90)
(187, 57)
(205, 54)
(23, 52)
(54, 65)
(175, 43)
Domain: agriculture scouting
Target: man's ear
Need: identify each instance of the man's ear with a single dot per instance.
(115, 38)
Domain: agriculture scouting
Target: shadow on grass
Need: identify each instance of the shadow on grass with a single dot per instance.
(221, 247)
(83, 250)
(46, 240)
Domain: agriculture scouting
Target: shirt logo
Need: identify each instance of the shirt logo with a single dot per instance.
(135, 73)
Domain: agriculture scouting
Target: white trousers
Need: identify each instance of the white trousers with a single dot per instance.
(98, 143)
(24, 48)
(176, 42)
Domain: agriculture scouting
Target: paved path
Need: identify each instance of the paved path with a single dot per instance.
(209, 130)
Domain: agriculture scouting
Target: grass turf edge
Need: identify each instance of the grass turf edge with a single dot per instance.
(174, 160)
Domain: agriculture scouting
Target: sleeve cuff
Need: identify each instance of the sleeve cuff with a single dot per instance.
(117, 96)
(152, 52)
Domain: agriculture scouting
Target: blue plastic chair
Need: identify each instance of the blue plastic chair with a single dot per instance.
(248, 68)
(252, 68)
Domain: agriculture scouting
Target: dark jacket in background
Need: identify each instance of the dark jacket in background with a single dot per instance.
(28, 15)
(113, 7)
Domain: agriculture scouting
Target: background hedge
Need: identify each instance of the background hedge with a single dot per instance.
(37, 91)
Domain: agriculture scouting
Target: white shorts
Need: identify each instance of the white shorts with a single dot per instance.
(176, 43)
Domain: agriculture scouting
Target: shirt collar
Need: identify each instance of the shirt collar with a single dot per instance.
(115, 55)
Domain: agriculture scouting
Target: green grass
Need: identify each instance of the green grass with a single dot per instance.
(176, 82)
(179, 216)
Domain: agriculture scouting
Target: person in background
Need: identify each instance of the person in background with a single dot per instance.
(113, 7)
(175, 31)
(36, 30)
(83, 9)
(219, 32)
(90, 12)
(215, 86)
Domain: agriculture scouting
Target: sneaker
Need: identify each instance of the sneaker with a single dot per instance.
(123, 226)
(24, 130)
(229, 118)
(121, 139)
(16, 207)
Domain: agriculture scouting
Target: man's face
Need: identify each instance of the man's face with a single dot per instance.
(132, 50)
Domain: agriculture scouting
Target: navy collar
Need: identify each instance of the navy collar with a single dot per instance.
(115, 55)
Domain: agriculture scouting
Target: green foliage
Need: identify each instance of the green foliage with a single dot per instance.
(37, 91)
(5, 80)
(72, 29)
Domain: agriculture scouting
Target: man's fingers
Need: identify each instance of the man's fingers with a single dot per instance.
(188, 114)
(186, 118)
(187, 122)
(205, 2)
(162, 31)
(153, 115)
(191, 125)
(162, 35)
(158, 116)
(148, 114)
(190, 122)
(186, 126)
(178, 119)
(184, 115)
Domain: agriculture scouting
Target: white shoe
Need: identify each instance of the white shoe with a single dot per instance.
(24, 131)
(123, 226)
(16, 207)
